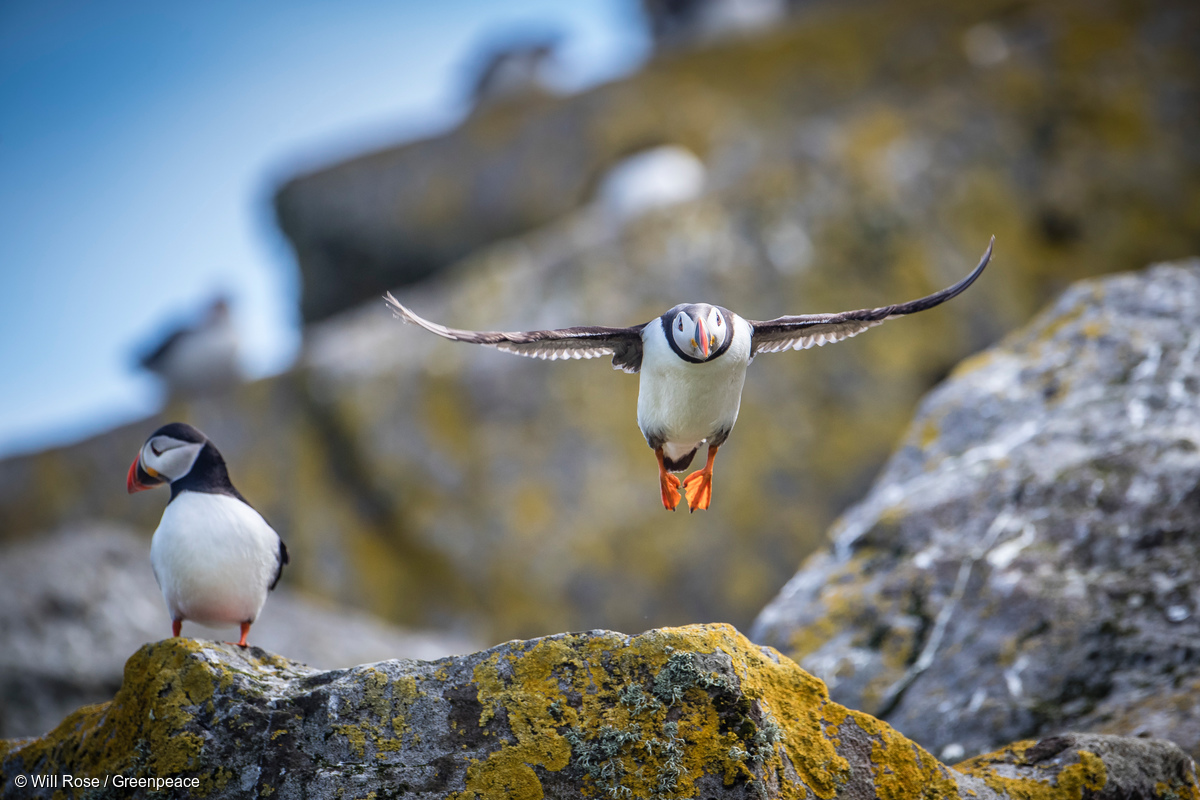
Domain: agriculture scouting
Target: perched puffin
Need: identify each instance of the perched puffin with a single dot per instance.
(214, 556)
(693, 363)
(198, 359)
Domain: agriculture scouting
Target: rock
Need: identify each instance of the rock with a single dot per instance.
(888, 134)
(1088, 765)
(1027, 560)
(651, 180)
(75, 603)
(686, 712)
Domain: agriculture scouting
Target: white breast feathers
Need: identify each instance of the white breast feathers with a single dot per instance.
(214, 557)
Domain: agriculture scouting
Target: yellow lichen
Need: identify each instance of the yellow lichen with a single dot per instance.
(842, 600)
(356, 736)
(900, 768)
(649, 714)
(585, 700)
(930, 431)
(404, 694)
(162, 681)
(1088, 774)
(388, 702)
(973, 363)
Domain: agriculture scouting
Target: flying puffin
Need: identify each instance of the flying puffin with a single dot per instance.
(693, 363)
(214, 557)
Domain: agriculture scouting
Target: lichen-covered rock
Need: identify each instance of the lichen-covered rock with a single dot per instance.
(75, 603)
(1028, 559)
(673, 713)
(1092, 766)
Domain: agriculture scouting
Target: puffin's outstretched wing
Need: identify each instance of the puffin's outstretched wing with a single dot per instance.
(623, 344)
(807, 330)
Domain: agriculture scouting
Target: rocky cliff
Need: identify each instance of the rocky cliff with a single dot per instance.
(862, 157)
(853, 134)
(1028, 559)
(689, 712)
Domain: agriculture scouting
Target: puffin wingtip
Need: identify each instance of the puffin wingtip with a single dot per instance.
(397, 308)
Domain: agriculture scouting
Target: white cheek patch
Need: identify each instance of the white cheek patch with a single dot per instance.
(173, 463)
(683, 338)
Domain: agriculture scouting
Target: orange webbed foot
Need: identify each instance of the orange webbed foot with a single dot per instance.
(698, 487)
(668, 484)
(242, 642)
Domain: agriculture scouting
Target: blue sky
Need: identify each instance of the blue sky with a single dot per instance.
(140, 143)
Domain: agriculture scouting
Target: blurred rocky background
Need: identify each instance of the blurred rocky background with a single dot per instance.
(75, 603)
(795, 158)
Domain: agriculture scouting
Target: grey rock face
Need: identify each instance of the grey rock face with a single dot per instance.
(74, 604)
(684, 712)
(1029, 558)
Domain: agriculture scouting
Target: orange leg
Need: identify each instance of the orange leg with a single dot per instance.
(245, 630)
(698, 485)
(668, 484)
(176, 626)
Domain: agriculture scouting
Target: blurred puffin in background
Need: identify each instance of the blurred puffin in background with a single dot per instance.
(693, 363)
(513, 71)
(200, 358)
(214, 557)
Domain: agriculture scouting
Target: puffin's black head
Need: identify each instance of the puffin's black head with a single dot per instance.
(697, 331)
(167, 456)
